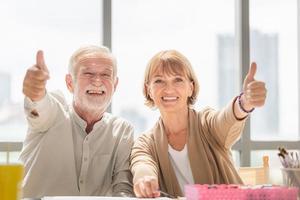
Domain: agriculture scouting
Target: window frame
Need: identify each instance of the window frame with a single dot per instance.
(9, 147)
(242, 30)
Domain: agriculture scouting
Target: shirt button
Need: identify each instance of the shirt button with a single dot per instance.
(81, 181)
(34, 113)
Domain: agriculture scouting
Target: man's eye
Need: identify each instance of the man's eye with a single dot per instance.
(87, 73)
(106, 75)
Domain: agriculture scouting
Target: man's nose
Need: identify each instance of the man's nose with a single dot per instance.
(96, 79)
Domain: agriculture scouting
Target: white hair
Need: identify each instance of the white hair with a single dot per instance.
(88, 51)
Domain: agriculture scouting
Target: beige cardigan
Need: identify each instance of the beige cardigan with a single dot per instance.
(210, 137)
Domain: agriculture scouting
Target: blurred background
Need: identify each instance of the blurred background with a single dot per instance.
(220, 38)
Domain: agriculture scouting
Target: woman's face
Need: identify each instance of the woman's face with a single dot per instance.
(170, 92)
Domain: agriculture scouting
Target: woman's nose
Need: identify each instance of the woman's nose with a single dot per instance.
(169, 87)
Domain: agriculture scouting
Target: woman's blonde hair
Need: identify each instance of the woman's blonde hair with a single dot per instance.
(170, 62)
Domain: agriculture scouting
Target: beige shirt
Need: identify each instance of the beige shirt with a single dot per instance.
(210, 136)
(61, 159)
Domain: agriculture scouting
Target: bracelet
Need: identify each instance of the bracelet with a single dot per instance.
(241, 107)
(237, 118)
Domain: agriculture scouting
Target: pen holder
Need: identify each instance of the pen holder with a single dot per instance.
(291, 177)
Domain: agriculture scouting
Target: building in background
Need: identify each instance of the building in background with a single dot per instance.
(266, 121)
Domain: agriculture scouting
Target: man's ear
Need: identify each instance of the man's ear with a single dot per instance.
(116, 83)
(69, 82)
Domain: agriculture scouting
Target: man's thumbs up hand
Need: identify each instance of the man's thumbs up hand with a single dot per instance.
(34, 84)
(254, 91)
(40, 61)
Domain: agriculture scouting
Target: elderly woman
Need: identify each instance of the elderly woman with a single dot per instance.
(186, 146)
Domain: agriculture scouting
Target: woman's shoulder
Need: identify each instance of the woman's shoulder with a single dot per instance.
(148, 135)
(203, 112)
(202, 116)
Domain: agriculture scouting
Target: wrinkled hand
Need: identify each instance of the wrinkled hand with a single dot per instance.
(147, 187)
(254, 91)
(34, 84)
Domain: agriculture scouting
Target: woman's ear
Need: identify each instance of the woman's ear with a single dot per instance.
(69, 82)
(149, 91)
(191, 88)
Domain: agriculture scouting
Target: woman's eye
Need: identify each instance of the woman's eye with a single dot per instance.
(158, 81)
(178, 79)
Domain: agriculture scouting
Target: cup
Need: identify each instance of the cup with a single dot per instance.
(291, 177)
(11, 176)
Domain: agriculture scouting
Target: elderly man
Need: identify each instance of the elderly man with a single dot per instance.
(78, 149)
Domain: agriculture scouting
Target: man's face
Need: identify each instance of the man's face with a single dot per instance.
(94, 84)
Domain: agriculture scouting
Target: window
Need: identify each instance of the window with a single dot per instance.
(206, 35)
(58, 28)
(273, 44)
(201, 30)
(204, 31)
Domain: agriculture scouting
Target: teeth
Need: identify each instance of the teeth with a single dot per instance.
(95, 92)
(169, 98)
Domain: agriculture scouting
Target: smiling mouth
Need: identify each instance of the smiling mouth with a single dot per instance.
(95, 92)
(169, 99)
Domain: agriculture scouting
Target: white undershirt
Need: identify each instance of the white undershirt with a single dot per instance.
(181, 165)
